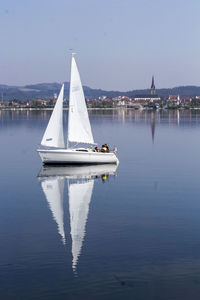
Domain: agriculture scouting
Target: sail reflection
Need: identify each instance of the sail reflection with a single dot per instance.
(80, 194)
(80, 183)
(53, 189)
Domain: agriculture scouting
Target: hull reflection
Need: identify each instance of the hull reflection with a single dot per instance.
(82, 171)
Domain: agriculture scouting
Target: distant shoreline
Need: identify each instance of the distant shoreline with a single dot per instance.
(95, 108)
(66, 108)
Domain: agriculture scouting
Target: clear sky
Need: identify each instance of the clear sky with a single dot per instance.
(120, 44)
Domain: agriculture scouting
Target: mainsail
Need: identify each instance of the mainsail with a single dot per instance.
(79, 129)
(53, 136)
(80, 194)
(53, 189)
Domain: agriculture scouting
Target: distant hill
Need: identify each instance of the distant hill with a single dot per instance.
(47, 90)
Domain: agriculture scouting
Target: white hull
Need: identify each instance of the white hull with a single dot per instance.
(72, 156)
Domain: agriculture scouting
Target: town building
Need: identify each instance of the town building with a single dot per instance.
(152, 97)
(174, 99)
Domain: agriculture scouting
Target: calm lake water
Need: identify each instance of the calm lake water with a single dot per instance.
(126, 233)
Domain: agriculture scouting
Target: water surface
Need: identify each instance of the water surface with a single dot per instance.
(133, 232)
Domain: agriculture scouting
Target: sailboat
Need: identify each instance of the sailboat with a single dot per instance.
(80, 136)
(80, 183)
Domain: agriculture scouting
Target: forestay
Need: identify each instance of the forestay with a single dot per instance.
(53, 136)
(79, 129)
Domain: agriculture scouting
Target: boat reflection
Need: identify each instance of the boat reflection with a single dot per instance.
(80, 183)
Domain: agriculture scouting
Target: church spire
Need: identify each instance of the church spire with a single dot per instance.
(153, 86)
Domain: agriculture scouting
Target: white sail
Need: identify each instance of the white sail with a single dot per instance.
(79, 129)
(53, 136)
(79, 200)
(53, 189)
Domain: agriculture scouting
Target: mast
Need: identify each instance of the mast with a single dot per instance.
(73, 54)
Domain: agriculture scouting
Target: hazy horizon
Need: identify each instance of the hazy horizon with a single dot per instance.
(119, 44)
(145, 88)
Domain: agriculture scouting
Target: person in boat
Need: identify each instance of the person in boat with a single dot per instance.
(91, 148)
(107, 148)
(96, 149)
(103, 148)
